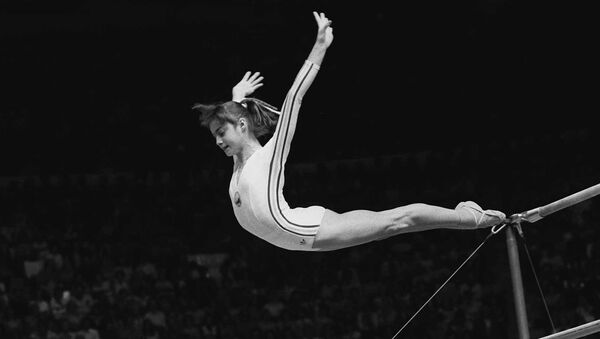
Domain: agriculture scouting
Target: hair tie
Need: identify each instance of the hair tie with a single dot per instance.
(260, 104)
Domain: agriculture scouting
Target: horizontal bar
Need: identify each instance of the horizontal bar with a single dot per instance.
(577, 332)
(570, 200)
(538, 213)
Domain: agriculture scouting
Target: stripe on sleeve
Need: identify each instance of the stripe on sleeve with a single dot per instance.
(279, 157)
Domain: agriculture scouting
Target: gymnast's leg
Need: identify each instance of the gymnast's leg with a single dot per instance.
(361, 226)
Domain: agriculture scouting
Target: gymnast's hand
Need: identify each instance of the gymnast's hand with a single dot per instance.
(325, 31)
(249, 83)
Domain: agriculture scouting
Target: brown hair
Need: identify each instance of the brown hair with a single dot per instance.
(262, 117)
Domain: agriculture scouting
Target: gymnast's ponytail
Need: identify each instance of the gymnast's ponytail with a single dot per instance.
(262, 116)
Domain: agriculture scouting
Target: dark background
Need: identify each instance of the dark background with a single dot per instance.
(103, 165)
(110, 83)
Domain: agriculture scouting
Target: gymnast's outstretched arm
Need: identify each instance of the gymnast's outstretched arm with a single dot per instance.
(286, 125)
(324, 39)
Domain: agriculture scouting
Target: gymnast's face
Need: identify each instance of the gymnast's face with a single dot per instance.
(228, 137)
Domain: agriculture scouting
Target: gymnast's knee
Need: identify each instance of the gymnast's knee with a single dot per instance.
(400, 220)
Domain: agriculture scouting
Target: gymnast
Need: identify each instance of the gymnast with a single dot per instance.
(256, 186)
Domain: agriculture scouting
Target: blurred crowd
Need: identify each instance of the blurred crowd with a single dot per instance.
(158, 254)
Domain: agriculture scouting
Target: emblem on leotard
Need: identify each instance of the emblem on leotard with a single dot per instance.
(237, 200)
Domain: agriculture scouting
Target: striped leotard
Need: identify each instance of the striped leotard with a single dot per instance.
(256, 190)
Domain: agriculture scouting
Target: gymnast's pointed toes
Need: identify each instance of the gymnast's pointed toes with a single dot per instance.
(481, 218)
(495, 217)
(471, 205)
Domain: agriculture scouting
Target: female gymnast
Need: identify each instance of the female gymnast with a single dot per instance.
(256, 186)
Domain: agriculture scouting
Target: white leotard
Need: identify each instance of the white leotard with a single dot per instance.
(256, 189)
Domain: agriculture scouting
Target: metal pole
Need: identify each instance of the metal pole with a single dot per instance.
(517, 283)
(577, 332)
(538, 213)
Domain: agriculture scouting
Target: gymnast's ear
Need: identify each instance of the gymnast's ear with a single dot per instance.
(243, 123)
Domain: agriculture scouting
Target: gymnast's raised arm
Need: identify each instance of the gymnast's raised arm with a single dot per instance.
(323, 41)
(286, 125)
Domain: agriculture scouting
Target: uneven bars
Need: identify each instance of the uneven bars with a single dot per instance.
(576, 332)
(538, 213)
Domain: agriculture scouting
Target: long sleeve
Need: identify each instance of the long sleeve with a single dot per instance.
(286, 126)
